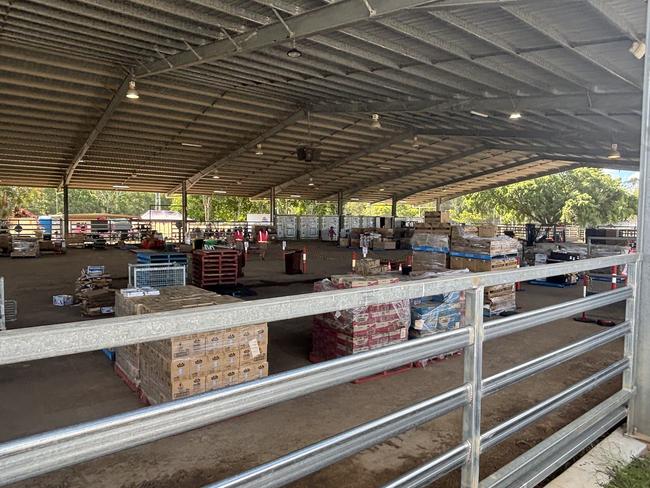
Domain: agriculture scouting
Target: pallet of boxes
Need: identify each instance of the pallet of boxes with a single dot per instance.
(93, 290)
(355, 330)
(478, 249)
(165, 370)
(430, 257)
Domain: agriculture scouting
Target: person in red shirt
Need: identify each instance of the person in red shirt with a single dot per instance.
(238, 235)
(263, 241)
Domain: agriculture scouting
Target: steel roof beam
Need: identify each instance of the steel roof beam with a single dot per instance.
(605, 102)
(481, 174)
(558, 152)
(554, 34)
(377, 147)
(290, 120)
(395, 175)
(502, 44)
(326, 18)
(614, 18)
(514, 180)
(99, 126)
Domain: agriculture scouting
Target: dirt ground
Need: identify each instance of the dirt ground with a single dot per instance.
(41, 395)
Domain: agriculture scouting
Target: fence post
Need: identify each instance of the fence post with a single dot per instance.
(629, 376)
(473, 375)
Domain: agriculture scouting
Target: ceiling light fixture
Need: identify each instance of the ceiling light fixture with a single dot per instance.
(354, 199)
(258, 150)
(375, 124)
(311, 182)
(614, 153)
(381, 189)
(215, 177)
(295, 196)
(294, 52)
(220, 191)
(190, 144)
(638, 49)
(515, 115)
(121, 187)
(479, 114)
(385, 168)
(416, 143)
(132, 93)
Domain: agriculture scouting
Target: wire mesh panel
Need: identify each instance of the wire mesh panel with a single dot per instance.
(157, 275)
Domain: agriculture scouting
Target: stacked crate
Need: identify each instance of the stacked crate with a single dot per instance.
(483, 254)
(217, 267)
(175, 368)
(430, 250)
(359, 329)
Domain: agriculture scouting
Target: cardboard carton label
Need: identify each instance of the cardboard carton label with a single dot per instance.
(198, 346)
(230, 377)
(231, 338)
(214, 341)
(197, 366)
(262, 370)
(254, 347)
(215, 362)
(213, 382)
(232, 358)
(246, 374)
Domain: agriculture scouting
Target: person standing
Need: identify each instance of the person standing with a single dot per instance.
(239, 239)
(263, 241)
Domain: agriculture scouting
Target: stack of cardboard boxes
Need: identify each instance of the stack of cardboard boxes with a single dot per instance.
(479, 250)
(93, 291)
(359, 329)
(430, 250)
(182, 366)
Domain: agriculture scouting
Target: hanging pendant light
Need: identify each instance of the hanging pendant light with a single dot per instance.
(375, 124)
(614, 153)
(132, 93)
(258, 150)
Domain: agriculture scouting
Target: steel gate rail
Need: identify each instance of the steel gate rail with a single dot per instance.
(37, 454)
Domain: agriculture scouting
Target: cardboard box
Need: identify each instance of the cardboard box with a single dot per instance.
(179, 347)
(231, 337)
(163, 370)
(481, 265)
(246, 334)
(198, 366)
(487, 230)
(230, 377)
(261, 333)
(261, 370)
(213, 381)
(185, 388)
(254, 353)
(247, 373)
(214, 341)
(215, 362)
(231, 358)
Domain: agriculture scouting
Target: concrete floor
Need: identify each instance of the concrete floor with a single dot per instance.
(42, 395)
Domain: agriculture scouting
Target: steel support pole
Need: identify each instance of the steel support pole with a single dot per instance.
(184, 210)
(273, 210)
(339, 211)
(473, 375)
(66, 212)
(639, 419)
(393, 207)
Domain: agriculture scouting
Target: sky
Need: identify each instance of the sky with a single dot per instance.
(624, 176)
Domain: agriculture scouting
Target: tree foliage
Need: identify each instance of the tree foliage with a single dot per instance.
(585, 197)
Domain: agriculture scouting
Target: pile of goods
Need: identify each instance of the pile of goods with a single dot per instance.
(75, 239)
(482, 253)
(93, 291)
(358, 329)
(25, 247)
(5, 243)
(370, 267)
(175, 368)
(430, 250)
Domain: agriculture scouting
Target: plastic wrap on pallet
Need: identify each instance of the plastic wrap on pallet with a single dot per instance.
(425, 240)
(492, 246)
(425, 261)
(358, 329)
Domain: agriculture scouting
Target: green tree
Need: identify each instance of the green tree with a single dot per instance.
(584, 196)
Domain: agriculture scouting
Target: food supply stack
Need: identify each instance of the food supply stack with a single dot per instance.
(430, 250)
(25, 247)
(355, 330)
(175, 368)
(478, 254)
(93, 291)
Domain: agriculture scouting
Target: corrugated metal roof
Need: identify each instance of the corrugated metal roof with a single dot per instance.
(423, 69)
